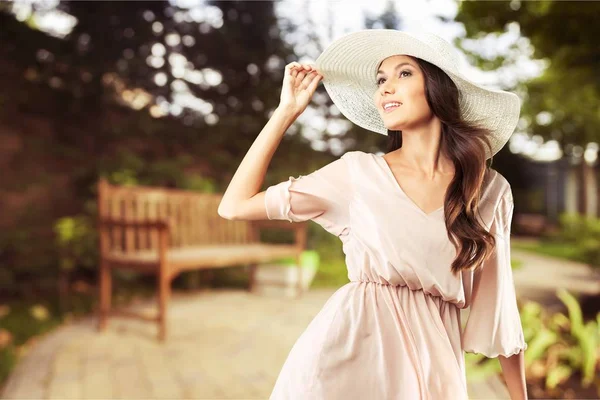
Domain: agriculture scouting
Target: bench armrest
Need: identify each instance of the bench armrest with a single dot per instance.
(299, 229)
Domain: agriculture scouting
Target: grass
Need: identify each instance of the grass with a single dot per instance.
(553, 249)
(332, 272)
(516, 264)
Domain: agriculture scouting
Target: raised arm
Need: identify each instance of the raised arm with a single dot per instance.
(242, 199)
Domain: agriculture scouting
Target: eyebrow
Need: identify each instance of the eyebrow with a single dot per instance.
(396, 67)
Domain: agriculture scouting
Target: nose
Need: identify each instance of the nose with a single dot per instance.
(386, 87)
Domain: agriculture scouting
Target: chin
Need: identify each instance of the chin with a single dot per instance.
(396, 124)
(395, 127)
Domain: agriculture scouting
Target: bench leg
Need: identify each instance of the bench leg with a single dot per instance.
(251, 277)
(164, 293)
(105, 283)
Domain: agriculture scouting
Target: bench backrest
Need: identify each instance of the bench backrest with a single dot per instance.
(192, 216)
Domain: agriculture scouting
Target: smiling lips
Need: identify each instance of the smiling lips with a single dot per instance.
(390, 106)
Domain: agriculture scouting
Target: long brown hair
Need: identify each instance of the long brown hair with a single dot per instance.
(463, 143)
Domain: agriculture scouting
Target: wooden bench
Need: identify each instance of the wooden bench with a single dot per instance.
(168, 231)
(530, 224)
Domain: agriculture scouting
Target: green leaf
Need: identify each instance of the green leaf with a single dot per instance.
(574, 309)
(589, 344)
(538, 345)
(558, 374)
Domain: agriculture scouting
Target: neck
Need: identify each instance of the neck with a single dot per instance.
(420, 150)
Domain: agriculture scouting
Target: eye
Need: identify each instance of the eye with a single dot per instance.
(401, 74)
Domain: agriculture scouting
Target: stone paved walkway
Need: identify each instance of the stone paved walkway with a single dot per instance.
(540, 276)
(223, 344)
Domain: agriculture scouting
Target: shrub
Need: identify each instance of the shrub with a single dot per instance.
(562, 349)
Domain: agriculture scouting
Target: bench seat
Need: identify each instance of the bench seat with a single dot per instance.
(209, 256)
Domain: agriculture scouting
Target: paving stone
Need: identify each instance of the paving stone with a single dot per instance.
(65, 389)
(28, 392)
(222, 344)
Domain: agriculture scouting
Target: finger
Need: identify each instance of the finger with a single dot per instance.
(294, 67)
(300, 77)
(307, 79)
(314, 83)
(312, 68)
(290, 68)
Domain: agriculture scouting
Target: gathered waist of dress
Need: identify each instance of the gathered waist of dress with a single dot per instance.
(376, 282)
(435, 296)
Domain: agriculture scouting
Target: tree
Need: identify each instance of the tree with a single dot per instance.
(562, 103)
(85, 105)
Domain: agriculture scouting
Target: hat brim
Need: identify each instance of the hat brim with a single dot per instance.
(349, 66)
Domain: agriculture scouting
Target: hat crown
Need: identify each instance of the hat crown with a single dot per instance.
(439, 46)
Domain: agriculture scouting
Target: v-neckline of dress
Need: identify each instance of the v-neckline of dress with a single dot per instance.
(390, 174)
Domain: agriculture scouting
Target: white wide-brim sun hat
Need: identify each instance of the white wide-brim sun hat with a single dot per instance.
(349, 68)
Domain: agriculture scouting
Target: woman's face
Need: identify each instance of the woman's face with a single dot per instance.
(401, 81)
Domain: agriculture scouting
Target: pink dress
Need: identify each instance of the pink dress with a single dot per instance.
(394, 331)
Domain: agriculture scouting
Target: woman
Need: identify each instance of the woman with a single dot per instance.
(425, 228)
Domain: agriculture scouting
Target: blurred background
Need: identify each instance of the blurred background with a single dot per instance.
(171, 94)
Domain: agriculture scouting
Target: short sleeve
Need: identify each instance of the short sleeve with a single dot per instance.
(494, 325)
(323, 197)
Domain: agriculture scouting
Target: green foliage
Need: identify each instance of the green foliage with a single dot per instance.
(552, 248)
(332, 271)
(199, 183)
(584, 234)
(538, 344)
(558, 374)
(23, 269)
(80, 125)
(516, 264)
(479, 367)
(564, 33)
(130, 169)
(124, 176)
(577, 239)
(8, 360)
(587, 336)
(560, 346)
(308, 259)
(573, 227)
(77, 242)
